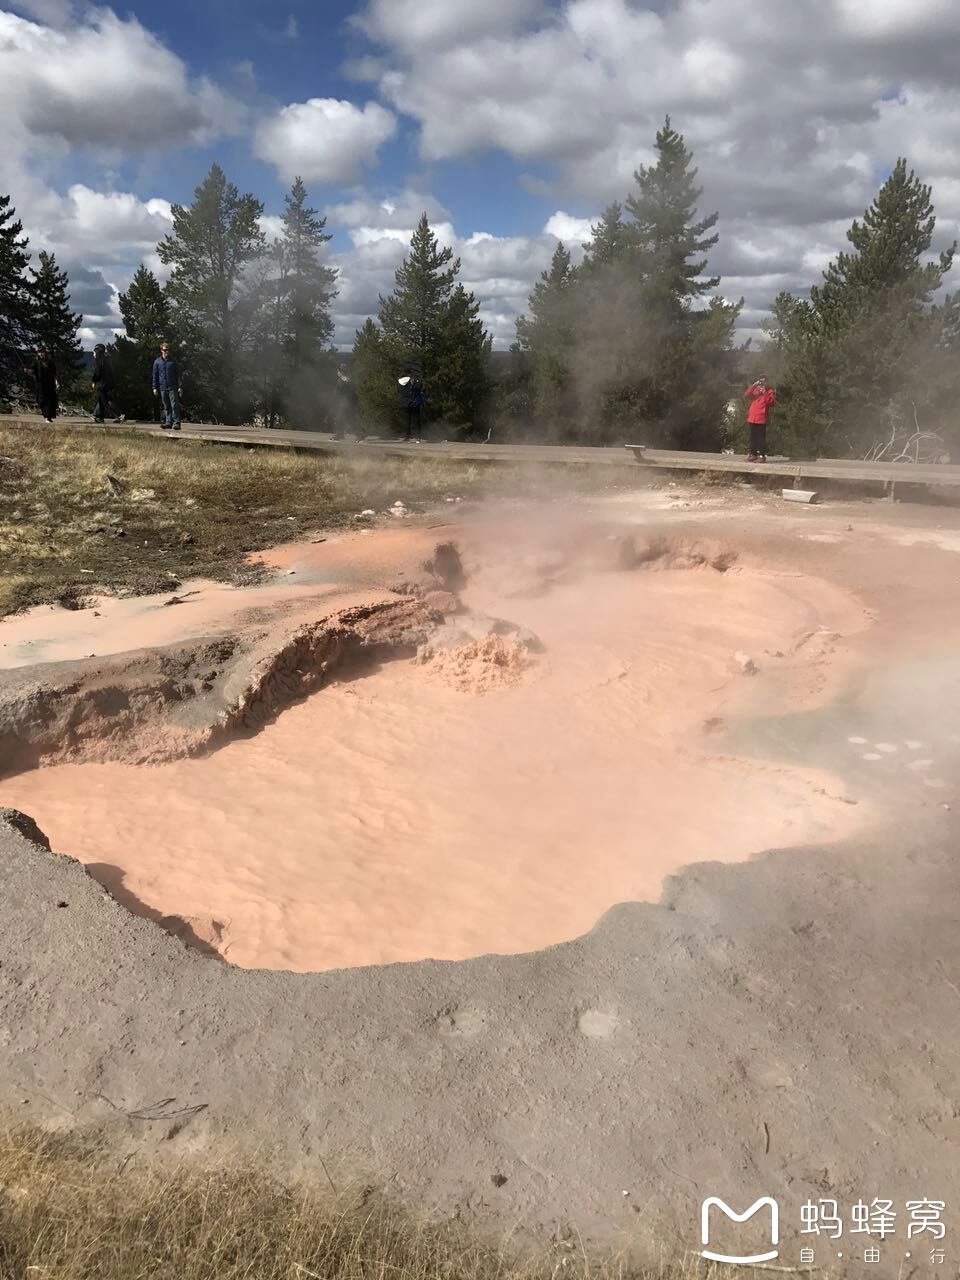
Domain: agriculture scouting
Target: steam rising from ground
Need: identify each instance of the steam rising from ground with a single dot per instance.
(397, 815)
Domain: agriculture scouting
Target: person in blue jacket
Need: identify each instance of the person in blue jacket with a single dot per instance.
(167, 384)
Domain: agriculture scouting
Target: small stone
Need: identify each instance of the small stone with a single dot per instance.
(746, 664)
(290, 572)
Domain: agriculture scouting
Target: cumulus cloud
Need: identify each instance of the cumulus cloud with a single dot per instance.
(143, 95)
(56, 13)
(574, 232)
(499, 270)
(140, 97)
(325, 139)
(795, 112)
(420, 25)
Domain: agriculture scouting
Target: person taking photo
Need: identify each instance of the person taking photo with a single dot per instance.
(761, 399)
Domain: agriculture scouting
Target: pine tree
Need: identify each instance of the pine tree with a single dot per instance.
(374, 378)
(310, 284)
(461, 366)
(412, 317)
(429, 325)
(216, 304)
(788, 320)
(14, 304)
(52, 323)
(547, 336)
(301, 293)
(853, 370)
(608, 240)
(663, 235)
(649, 353)
(147, 321)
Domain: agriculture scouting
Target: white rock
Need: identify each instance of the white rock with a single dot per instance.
(746, 664)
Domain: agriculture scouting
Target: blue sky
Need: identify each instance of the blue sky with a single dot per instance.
(300, 51)
(511, 122)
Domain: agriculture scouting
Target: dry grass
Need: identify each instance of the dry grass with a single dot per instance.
(68, 1212)
(112, 510)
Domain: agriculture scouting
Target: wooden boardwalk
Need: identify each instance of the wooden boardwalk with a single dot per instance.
(799, 474)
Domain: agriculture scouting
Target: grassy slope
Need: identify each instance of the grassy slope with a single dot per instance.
(112, 509)
(68, 1212)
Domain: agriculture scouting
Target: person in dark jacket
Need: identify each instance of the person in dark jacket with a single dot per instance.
(167, 384)
(102, 381)
(47, 384)
(412, 400)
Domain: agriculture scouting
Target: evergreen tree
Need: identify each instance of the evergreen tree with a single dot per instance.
(788, 320)
(853, 369)
(514, 398)
(52, 323)
(431, 325)
(301, 290)
(461, 366)
(215, 299)
(547, 336)
(14, 304)
(413, 316)
(374, 378)
(663, 235)
(650, 355)
(608, 241)
(310, 284)
(147, 321)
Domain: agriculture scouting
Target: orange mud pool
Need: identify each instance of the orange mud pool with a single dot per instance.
(489, 799)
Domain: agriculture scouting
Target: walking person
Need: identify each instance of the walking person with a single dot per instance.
(167, 384)
(47, 385)
(412, 400)
(762, 399)
(102, 381)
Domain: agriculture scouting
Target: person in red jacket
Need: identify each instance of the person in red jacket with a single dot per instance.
(762, 399)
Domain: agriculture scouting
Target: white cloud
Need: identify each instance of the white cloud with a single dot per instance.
(794, 112)
(402, 210)
(324, 140)
(574, 232)
(499, 270)
(142, 95)
(429, 24)
(896, 18)
(55, 13)
(271, 224)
